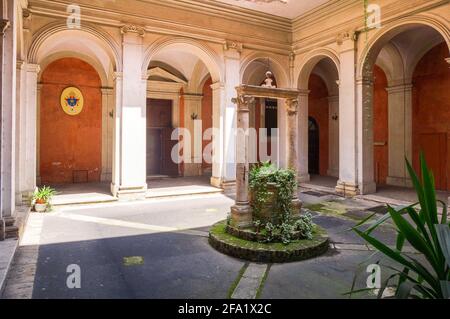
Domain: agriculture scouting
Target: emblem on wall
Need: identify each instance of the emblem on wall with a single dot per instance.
(72, 101)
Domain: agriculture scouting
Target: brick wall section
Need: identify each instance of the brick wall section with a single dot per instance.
(70, 143)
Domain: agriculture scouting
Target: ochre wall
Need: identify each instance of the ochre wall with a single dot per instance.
(319, 110)
(380, 126)
(431, 113)
(206, 116)
(70, 143)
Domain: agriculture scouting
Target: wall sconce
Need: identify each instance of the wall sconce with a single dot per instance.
(194, 116)
(335, 117)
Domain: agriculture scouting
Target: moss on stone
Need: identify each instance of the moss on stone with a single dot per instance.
(268, 252)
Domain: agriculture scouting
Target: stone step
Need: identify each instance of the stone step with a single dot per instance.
(12, 232)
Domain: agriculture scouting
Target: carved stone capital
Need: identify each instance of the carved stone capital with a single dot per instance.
(291, 106)
(131, 28)
(233, 45)
(244, 102)
(345, 36)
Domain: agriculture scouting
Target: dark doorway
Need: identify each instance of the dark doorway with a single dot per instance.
(271, 121)
(159, 143)
(313, 148)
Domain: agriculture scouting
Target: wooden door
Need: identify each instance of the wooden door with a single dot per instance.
(159, 143)
(154, 153)
(434, 147)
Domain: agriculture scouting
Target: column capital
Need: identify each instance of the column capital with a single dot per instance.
(399, 88)
(291, 106)
(35, 68)
(132, 28)
(20, 64)
(243, 102)
(217, 85)
(447, 60)
(233, 45)
(107, 90)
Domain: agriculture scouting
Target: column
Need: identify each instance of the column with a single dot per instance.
(21, 125)
(8, 114)
(292, 146)
(303, 138)
(107, 122)
(218, 92)
(224, 120)
(333, 145)
(400, 133)
(31, 129)
(348, 173)
(241, 212)
(131, 183)
(365, 144)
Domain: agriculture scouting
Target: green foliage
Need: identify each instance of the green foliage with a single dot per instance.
(43, 195)
(284, 179)
(421, 227)
(282, 228)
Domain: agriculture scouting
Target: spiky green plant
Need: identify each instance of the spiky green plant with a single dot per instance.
(421, 227)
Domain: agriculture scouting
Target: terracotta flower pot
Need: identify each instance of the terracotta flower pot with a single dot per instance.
(40, 208)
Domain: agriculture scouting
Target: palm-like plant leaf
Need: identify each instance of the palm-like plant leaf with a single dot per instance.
(417, 279)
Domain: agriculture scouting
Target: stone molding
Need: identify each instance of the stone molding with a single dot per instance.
(131, 28)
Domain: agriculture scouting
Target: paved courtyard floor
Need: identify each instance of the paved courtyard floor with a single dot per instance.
(159, 249)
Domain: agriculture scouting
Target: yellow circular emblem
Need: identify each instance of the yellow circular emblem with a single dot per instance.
(72, 101)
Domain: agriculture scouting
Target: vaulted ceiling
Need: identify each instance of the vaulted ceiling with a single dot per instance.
(283, 8)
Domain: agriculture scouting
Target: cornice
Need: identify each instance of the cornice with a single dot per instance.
(114, 18)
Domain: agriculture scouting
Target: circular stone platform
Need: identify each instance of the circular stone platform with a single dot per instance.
(271, 252)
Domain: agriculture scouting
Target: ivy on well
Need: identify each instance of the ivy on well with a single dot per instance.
(282, 227)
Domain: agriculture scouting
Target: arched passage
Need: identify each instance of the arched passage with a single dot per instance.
(184, 77)
(402, 43)
(318, 83)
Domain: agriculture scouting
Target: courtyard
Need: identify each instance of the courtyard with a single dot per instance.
(159, 249)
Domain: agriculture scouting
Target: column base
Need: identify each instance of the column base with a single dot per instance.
(241, 215)
(228, 187)
(347, 189)
(399, 181)
(129, 193)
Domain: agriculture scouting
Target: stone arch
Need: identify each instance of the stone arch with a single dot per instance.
(110, 47)
(279, 70)
(70, 54)
(202, 51)
(392, 63)
(310, 61)
(384, 35)
(400, 95)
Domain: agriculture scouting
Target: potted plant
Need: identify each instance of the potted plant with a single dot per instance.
(42, 198)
